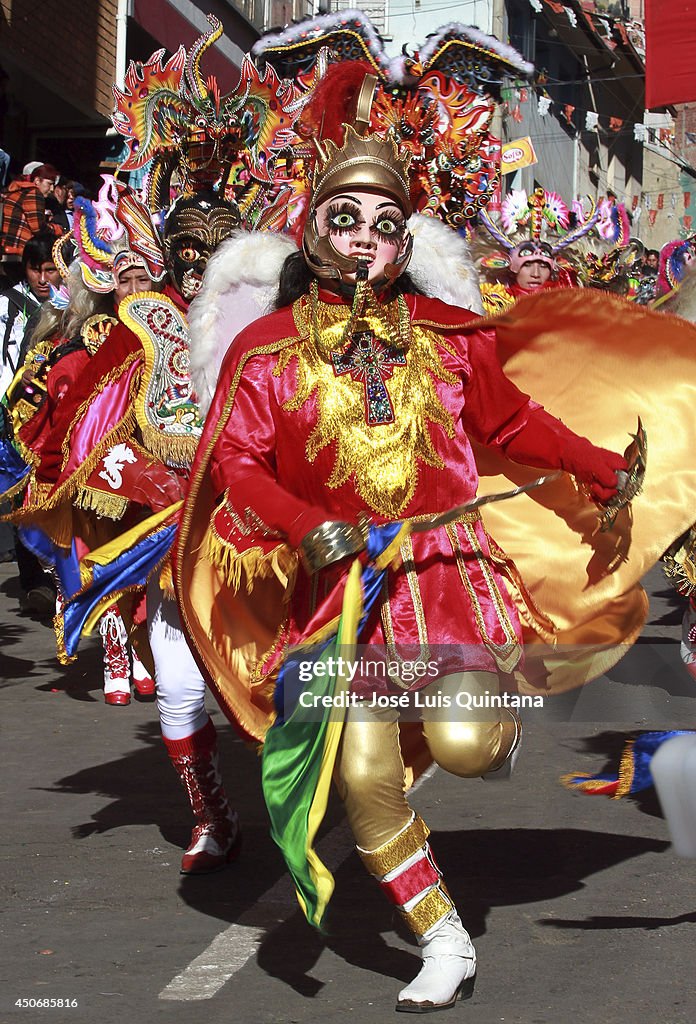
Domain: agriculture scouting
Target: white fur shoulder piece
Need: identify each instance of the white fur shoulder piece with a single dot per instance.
(239, 285)
(441, 264)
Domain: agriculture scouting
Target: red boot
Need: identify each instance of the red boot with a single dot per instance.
(116, 660)
(216, 837)
(142, 680)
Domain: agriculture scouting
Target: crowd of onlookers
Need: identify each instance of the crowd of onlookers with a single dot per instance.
(35, 208)
(39, 200)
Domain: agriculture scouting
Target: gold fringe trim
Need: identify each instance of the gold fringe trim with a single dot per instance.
(40, 490)
(627, 769)
(254, 563)
(59, 628)
(110, 506)
(13, 491)
(583, 782)
(122, 432)
(166, 579)
(30, 457)
(173, 451)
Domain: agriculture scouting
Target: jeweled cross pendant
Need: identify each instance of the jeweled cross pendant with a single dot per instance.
(370, 360)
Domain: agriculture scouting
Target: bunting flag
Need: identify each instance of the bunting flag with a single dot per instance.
(300, 748)
(633, 775)
(589, 120)
(108, 572)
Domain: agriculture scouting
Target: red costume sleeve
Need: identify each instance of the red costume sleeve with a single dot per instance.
(64, 374)
(495, 410)
(243, 461)
(546, 442)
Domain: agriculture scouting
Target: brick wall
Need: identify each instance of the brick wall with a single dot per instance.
(68, 45)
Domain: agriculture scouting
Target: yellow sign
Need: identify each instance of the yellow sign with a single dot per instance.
(517, 154)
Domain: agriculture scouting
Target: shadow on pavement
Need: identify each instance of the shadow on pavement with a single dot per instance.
(483, 868)
(598, 923)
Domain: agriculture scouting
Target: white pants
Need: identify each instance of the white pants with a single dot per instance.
(180, 685)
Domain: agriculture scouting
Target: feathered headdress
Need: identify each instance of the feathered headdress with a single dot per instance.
(437, 105)
(675, 257)
(544, 214)
(543, 217)
(109, 235)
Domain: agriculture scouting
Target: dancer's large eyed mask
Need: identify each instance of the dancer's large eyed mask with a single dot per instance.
(359, 229)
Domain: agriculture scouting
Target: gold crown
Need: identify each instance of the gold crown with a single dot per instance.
(362, 162)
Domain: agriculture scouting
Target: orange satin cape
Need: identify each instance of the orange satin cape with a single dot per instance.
(593, 360)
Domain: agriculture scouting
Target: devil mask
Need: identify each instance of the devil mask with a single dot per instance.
(194, 228)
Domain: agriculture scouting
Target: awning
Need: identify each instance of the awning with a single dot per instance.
(670, 43)
(184, 23)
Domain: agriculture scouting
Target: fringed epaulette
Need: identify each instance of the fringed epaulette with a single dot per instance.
(108, 506)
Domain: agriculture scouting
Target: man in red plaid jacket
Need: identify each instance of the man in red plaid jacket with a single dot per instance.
(24, 211)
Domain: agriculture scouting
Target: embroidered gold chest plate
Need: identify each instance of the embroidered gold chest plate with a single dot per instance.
(382, 458)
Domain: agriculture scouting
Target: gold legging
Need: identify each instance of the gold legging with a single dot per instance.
(370, 768)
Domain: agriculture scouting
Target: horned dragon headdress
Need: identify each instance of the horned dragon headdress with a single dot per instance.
(437, 106)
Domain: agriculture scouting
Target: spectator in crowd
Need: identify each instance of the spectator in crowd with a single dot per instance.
(29, 168)
(57, 203)
(651, 261)
(17, 304)
(24, 211)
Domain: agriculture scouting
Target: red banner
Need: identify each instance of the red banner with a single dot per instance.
(670, 45)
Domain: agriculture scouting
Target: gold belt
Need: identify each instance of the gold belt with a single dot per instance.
(466, 517)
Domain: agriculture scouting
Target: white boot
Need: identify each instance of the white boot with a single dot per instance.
(409, 876)
(448, 971)
(673, 767)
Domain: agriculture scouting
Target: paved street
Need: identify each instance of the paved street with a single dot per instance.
(579, 909)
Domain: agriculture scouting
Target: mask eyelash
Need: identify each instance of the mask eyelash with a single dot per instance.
(388, 236)
(336, 210)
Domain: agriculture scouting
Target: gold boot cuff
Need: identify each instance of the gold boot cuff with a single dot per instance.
(428, 911)
(381, 861)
